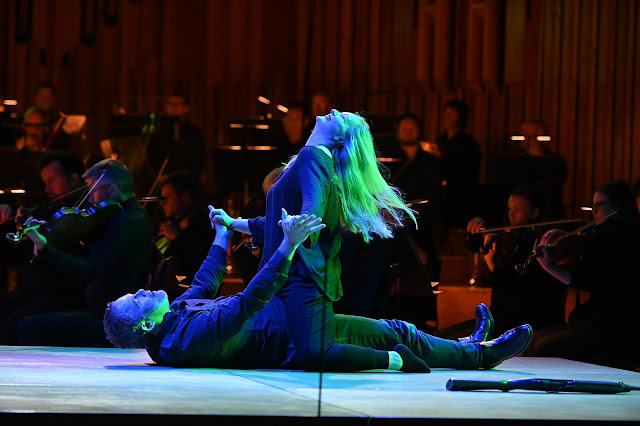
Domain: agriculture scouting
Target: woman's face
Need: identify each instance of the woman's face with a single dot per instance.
(334, 124)
(520, 211)
(601, 206)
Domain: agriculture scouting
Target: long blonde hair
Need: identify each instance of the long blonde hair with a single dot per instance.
(369, 205)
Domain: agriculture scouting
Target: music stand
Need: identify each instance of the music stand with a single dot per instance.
(250, 152)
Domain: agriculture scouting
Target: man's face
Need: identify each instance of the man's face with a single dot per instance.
(44, 98)
(450, 118)
(152, 305)
(293, 123)
(56, 182)
(101, 192)
(175, 204)
(408, 132)
(34, 130)
(176, 106)
(320, 105)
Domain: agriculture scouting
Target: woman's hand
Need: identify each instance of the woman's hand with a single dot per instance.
(490, 255)
(475, 225)
(551, 236)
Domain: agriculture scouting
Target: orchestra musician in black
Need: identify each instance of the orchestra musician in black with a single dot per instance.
(603, 261)
(535, 297)
(64, 303)
(185, 233)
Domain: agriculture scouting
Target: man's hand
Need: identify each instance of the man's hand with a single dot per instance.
(298, 227)
(219, 216)
(169, 230)
(31, 226)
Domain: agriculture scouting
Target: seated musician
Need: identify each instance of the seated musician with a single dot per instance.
(185, 234)
(534, 297)
(602, 261)
(116, 261)
(61, 173)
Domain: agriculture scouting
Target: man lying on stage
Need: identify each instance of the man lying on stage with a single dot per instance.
(246, 331)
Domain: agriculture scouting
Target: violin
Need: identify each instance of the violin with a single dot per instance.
(510, 236)
(507, 240)
(72, 225)
(45, 206)
(571, 244)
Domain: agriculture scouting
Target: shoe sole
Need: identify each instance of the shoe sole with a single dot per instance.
(524, 348)
(468, 339)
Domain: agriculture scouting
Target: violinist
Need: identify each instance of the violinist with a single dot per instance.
(117, 262)
(604, 263)
(534, 298)
(61, 173)
(186, 233)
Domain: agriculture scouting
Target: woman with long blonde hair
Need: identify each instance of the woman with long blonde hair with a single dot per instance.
(335, 176)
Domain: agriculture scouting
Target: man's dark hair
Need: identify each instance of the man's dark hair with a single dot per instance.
(122, 331)
(181, 94)
(463, 111)
(409, 116)
(70, 161)
(46, 84)
(185, 181)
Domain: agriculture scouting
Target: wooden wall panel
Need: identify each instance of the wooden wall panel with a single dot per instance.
(572, 64)
(623, 81)
(532, 61)
(425, 53)
(634, 69)
(603, 143)
(564, 141)
(514, 33)
(582, 169)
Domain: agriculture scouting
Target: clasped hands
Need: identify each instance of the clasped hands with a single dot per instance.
(296, 228)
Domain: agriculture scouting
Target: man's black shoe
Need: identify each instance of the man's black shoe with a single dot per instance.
(484, 326)
(510, 344)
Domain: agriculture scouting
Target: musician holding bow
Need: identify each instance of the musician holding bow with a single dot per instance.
(535, 298)
(602, 329)
(67, 311)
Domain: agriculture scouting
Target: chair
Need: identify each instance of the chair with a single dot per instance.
(164, 278)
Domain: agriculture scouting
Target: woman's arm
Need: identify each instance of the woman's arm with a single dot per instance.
(220, 216)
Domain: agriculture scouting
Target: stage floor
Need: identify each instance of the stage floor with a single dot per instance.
(87, 383)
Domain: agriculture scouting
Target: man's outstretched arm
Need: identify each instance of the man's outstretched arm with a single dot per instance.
(206, 282)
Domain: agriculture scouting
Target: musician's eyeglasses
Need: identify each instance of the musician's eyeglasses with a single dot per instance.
(599, 204)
